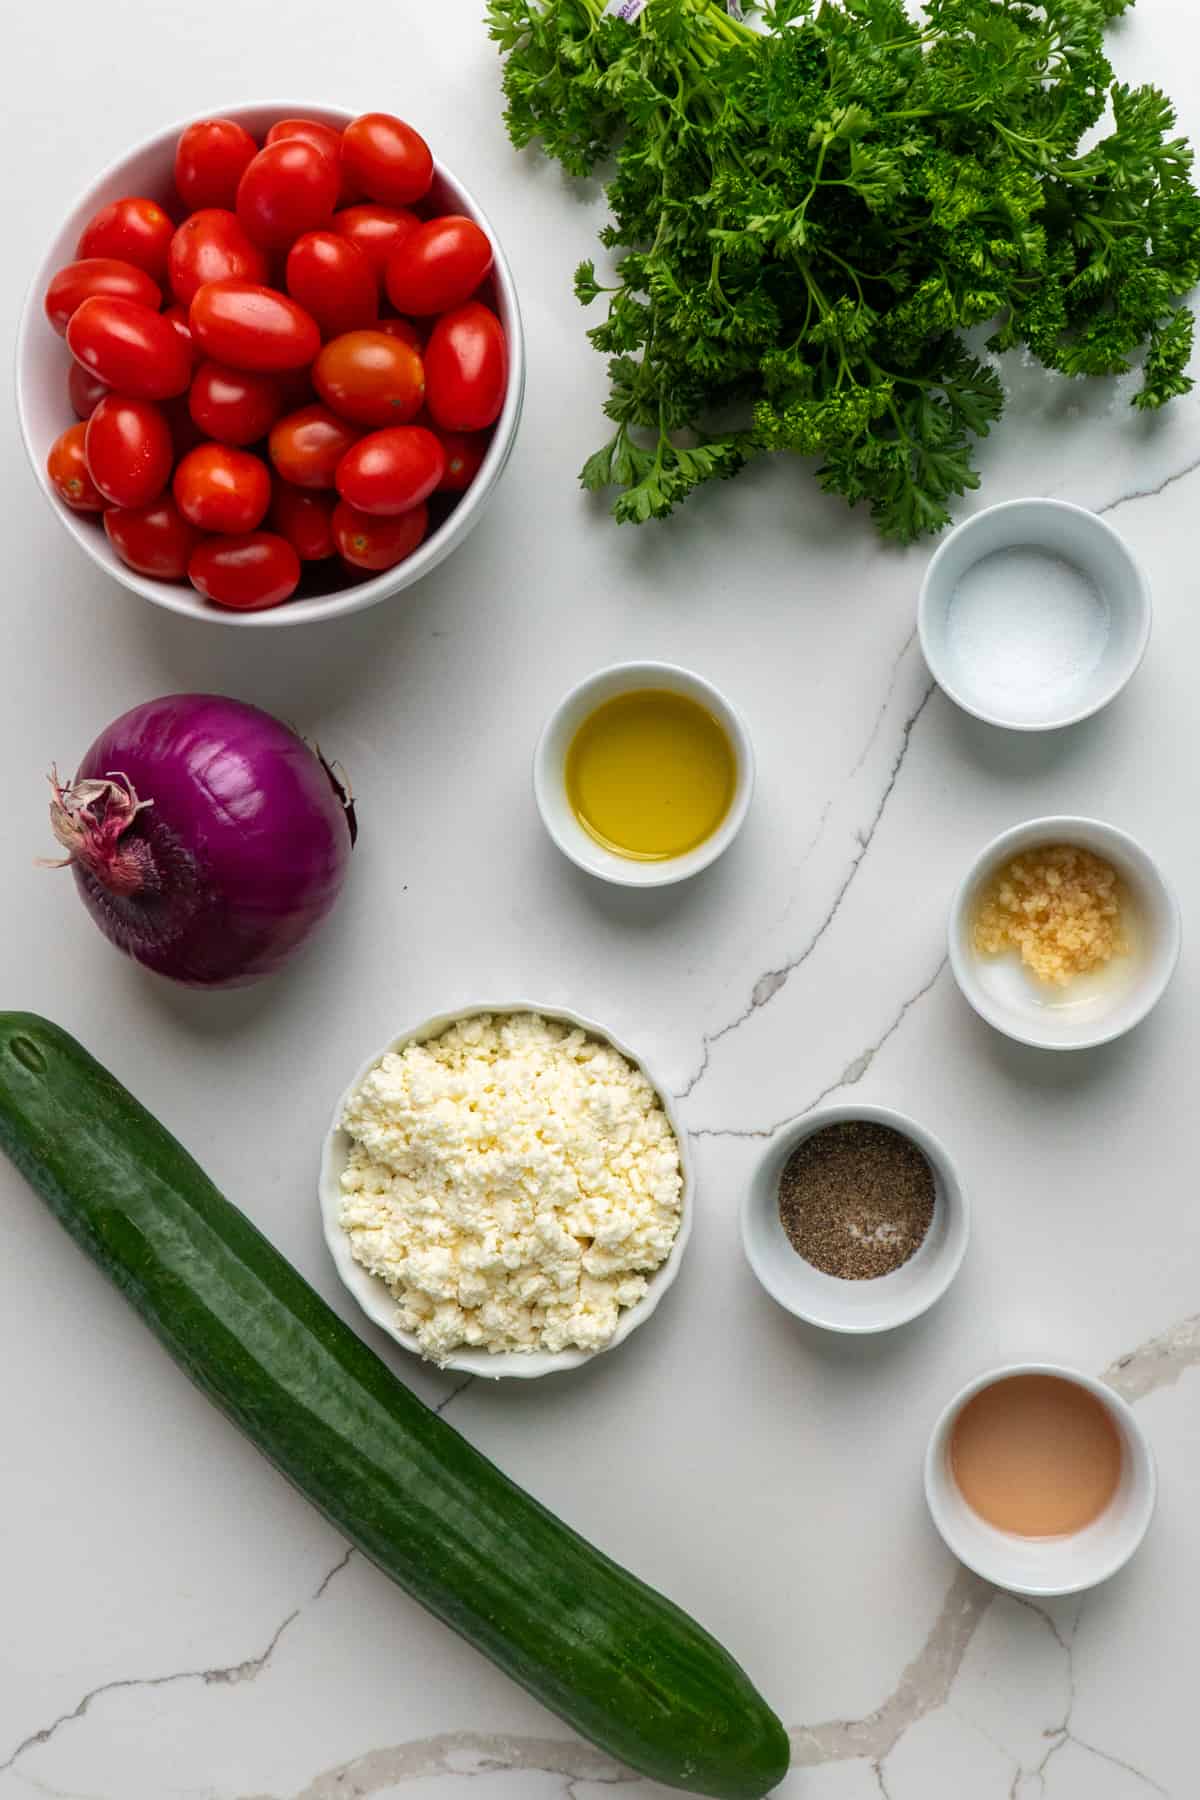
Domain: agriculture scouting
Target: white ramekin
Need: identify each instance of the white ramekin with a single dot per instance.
(549, 773)
(1051, 1565)
(372, 1293)
(42, 364)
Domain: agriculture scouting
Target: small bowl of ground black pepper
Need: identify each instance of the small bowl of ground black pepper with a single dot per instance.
(855, 1219)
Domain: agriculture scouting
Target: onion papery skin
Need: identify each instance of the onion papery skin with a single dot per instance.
(237, 845)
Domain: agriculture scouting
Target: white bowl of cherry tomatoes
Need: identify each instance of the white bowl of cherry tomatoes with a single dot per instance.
(272, 366)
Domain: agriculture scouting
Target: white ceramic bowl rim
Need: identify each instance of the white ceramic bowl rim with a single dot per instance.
(372, 1293)
(180, 597)
(1004, 1553)
(825, 1300)
(1104, 693)
(549, 765)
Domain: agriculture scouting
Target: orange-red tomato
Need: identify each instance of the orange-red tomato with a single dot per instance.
(437, 266)
(465, 451)
(220, 489)
(307, 446)
(366, 541)
(130, 347)
(96, 275)
(387, 159)
(377, 230)
(85, 390)
(332, 279)
(371, 377)
(234, 406)
(212, 246)
(155, 540)
(391, 471)
(135, 230)
(246, 573)
(304, 519)
(289, 188)
(250, 326)
(129, 450)
(210, 159)
(466, 368)
(323, 137)
(67, 468)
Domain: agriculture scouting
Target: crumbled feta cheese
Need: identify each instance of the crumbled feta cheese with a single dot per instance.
(513, 1181)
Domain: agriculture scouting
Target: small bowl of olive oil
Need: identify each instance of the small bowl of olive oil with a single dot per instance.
(644, 774)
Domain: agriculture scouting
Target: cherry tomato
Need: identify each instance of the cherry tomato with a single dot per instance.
(96, 275)
(304, 519)
(135, 230)
(252, 327)
(234, 406)
(370, 377)
(219, 489)
(332, 279)
(129, 347)
(290, 187)
(67, 468)
(210, 159)
(307, 446)
(391, 471)
(322, 137)
(129, 450)
(465, 452)
(377, 230)
(466, 368)
(211, 246)
(86, 391)
(155, 540)
(405, 330)
(247, 573)
(439, 265)
(387, 159)
(366, 541)
(177, 319)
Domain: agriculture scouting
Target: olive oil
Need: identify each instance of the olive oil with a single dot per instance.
(650, 774)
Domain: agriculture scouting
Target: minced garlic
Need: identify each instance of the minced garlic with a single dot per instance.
(1060, 906)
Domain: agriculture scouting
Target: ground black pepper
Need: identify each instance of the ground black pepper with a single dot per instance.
(856, 1199)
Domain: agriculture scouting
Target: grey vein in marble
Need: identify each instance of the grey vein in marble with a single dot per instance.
(1149, 493)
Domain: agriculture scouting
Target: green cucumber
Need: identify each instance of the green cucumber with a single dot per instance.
(621, 1664)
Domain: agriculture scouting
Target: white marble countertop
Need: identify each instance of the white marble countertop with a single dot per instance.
(180, 1625)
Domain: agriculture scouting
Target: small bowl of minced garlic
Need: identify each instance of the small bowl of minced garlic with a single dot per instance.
(506, 1190)
(1064, 933)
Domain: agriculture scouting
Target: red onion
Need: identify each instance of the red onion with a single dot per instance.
(207, 839)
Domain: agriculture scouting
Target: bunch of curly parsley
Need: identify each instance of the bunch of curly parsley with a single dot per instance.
(808, 213)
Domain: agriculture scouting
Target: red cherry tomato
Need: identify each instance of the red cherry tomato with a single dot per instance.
(96, 275)
(252, 327)
(129, 450)
(234, 406)
(391, 471)
(67, 468)
(332, 279)
(405, 330)
(304, 519)
(247, 573)
(465, 452)
(177, 319)
(211, 246)
(377, 230)
(307, 446)
(135, 230)
(220, 489)
(85, 390)
(128, 346)
(185, 433)
(366, 541)
(210, 159)
(155, 540)
(371, 377)
(387, 159)
(322, 137)
(438, 266)
(466, 368)
(290, 187)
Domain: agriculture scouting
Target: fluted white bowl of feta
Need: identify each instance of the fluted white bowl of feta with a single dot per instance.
(506, 1190)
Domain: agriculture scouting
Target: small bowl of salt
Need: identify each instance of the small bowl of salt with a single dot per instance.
(1034, 614)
